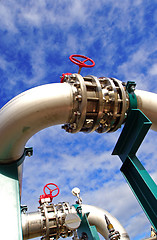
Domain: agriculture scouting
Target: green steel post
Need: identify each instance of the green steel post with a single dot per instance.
(85, 230)
(10, 213)
(142, 185)
(10, 219)
(130, 87)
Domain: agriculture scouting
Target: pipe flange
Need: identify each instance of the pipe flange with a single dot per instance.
(46, 212)
(54, 220)
(79, 103)
(110, 105)
(123, 104)
(94, 108)
(88, 103)
(98, 104)
(115, 101)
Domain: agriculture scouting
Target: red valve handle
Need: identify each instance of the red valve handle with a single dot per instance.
(63, 74)
(81, 63)
(51, 190)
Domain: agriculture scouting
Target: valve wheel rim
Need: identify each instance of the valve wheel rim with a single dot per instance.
(81, 63)
(51, 190)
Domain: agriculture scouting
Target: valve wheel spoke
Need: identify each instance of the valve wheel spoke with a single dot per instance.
(85, 60)
(75, 59)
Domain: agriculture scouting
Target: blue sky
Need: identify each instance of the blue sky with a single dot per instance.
(36, 40)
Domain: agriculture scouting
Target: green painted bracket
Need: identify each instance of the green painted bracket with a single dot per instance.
(10, 199)
(142, 185)
(10, 202)
(85, 230)
(130, 87)
(79, 210)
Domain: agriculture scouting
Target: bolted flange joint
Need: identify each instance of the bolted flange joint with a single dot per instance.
(99, 104)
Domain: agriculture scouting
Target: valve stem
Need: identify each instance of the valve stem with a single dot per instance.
(113, 235)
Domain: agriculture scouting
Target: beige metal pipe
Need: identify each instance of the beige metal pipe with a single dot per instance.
(30, 112)
(147, 103)
(32, 225)
(96, 218)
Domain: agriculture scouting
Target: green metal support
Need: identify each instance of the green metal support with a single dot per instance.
(142, 185)
(130, 87)
(10, 221)
(85, 231)
(10, 203)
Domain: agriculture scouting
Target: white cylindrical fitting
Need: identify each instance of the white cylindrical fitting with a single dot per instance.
(147, 103)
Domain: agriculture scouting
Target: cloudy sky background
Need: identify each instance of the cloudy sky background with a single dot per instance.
(36, 40)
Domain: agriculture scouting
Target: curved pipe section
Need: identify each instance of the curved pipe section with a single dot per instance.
(96, 218)
(147, 103)
(30, 112)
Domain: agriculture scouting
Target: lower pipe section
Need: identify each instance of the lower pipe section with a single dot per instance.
(50, 221)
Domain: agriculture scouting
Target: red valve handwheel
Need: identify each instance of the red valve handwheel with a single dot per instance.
(81, 63)
(51, 190)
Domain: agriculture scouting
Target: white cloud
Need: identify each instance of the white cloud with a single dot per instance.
(3, 64)
(132, 69)
(153, 70)
(7, 18)
(32, 18)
